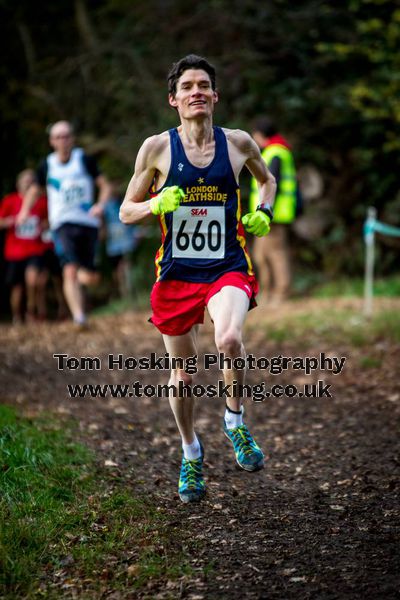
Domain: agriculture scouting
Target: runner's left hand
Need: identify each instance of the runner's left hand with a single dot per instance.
(96, 210)
(257, 223)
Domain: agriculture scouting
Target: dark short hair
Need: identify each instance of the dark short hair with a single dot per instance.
(265, 125)
(191, 61)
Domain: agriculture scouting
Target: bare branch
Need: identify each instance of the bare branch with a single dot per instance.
(85, 27)
(29, 48)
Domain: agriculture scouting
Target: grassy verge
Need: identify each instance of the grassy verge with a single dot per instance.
(335, 326)
(68, 528)
(120, 305)
(354, 287)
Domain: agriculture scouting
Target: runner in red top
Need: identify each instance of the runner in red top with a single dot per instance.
(24, 250)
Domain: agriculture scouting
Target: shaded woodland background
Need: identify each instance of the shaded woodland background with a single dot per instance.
(328, 72)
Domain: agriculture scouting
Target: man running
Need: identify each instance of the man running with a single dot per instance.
(202, 262)
(70, 177)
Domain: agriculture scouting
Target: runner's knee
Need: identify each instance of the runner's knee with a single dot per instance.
(86, 277)
(178, 375)
(229, 342)
(70, 271)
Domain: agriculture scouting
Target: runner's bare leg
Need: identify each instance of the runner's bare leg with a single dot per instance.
(182, 346)
(228, 309)
(73, 291)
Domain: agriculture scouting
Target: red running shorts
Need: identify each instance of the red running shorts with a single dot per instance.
(178, 305)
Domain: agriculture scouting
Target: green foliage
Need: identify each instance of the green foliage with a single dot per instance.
(370, 62)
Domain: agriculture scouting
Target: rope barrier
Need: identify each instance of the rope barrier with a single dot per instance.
(372, 226)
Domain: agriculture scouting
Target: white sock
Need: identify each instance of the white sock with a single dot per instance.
(81, 320)
(233, 419)
(193, 450)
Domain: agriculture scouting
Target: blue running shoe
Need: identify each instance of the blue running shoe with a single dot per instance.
(248, 454)
(191, 482)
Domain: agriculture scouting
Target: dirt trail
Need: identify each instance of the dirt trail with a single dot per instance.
(320, 521)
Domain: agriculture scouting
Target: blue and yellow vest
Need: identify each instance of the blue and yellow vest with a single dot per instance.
(204, 238)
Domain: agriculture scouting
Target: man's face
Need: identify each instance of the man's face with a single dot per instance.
(194, 94)
(61, 138)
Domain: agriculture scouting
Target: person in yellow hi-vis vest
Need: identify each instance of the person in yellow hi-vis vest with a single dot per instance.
(271, 253)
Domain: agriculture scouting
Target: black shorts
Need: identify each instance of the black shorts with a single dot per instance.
(76, 244)
(16, 269)
(51, 262)
(115, 260)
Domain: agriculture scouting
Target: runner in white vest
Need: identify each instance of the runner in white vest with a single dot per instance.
(69, 177)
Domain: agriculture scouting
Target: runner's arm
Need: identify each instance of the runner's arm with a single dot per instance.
(105, 193)
(265, 180)
(105, 190)
(134, 208)
(31, 196)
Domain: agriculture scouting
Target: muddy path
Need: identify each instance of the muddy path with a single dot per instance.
(320, 521)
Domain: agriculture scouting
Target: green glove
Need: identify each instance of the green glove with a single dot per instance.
(257, 223)
(167, 201)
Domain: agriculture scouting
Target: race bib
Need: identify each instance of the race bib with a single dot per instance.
(30, 230)
(198, 232)
(47, 236)
(75, 192)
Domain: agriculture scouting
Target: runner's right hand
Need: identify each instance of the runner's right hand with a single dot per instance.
(167, 201)
(21, 217)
